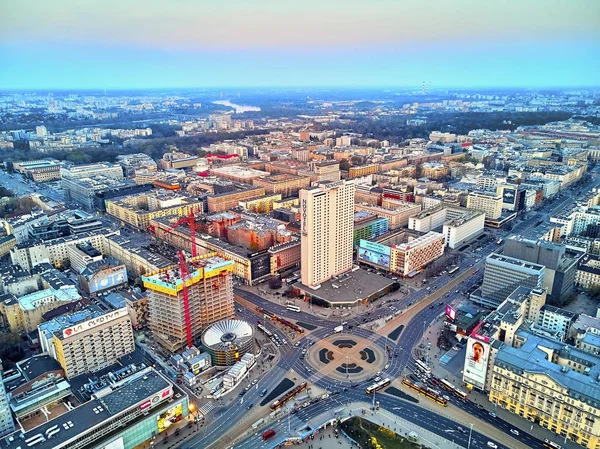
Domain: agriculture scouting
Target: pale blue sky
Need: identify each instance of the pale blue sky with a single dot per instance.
(205, 43)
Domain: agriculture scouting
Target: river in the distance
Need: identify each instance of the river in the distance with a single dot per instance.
(238, 108)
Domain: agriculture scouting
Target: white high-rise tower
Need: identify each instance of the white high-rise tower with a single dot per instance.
(327, 218)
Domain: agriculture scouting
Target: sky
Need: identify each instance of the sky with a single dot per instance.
(80, 44)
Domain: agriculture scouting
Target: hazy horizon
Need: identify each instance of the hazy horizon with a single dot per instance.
(323, 44)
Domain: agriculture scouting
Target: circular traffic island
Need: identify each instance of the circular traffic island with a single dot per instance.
(346, 358)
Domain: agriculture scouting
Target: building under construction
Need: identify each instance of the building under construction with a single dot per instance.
(183, 303)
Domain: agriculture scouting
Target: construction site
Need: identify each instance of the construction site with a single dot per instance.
(183, 300)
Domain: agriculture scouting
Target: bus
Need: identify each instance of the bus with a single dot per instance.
(423, 367)
(293, 308)
(378, 385)
(552, 444)
(267, 332)
(461, 394)
(258, 423)
(452, 270)
(447, 385)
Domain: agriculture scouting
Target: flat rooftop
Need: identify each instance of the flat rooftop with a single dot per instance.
(94, 412)
(349, 288)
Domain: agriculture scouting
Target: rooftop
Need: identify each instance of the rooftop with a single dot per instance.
(349, 288)
(529, 358)
(30, 302)
(514, 262)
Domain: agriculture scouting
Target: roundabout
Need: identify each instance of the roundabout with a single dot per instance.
(345, 357)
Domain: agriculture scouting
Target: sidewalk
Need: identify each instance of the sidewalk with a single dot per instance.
(383, 418)
(516, 421)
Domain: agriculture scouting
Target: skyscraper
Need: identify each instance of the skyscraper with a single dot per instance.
(327, 217)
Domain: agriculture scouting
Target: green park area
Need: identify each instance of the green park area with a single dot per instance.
(373, 436)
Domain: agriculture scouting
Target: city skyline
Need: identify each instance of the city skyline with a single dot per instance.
(316, 44)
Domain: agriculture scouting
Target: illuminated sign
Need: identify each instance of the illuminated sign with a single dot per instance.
(171, 416)
(304, 231)
(335, 184)
(90, 324)
(372, 246)
(476, 362)
(151, 402)
(450, 313)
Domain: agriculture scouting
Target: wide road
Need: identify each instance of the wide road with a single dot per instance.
(226, 419)
(19, 188)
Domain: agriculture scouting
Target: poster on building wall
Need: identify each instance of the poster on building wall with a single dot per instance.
(171, 416)
(476, 362)
(374, 253)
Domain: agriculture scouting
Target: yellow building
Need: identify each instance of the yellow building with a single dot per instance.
(363, 170)
(490, 203)
(138, 210)
(550, 384)
(261, 205)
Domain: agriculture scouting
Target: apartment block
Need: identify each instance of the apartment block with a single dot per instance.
(428, 220)
(462, 226)
(588, 272)
(221, 202)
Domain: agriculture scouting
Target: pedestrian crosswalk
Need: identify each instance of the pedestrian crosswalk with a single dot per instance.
(206, 408)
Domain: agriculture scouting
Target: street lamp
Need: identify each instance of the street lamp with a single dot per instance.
(470, 432)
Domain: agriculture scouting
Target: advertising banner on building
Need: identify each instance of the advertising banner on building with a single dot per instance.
(476, 362)
(109, 278)
(450, 313)
(171, 416)
(374, 253)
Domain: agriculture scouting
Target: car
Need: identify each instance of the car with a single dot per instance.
(297, 344)
(446, 397)
(492, 414)
(514, 431)
(461, 430)
(254, 382)
(492, 445)
(250, 406)
(431, 306)
(247, 388)
(377, 379)
(303, 351)
(386, 366)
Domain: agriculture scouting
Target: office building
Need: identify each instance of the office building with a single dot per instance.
(560, 262)
(40, 170)
(368, 226)
(462, 226)
(429, 219)
(513, 196)
(135, 163)
(210, 299)
(177, 159)
(486, 202)
(113, 171)
(221, 202)
(502, 275)
(327, 218)
(93, 344)
(362, 170)
(91, 192)
(285, 256)
(398, 212)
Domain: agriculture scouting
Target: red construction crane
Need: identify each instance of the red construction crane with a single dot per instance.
(191, 221)
(185, 276)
